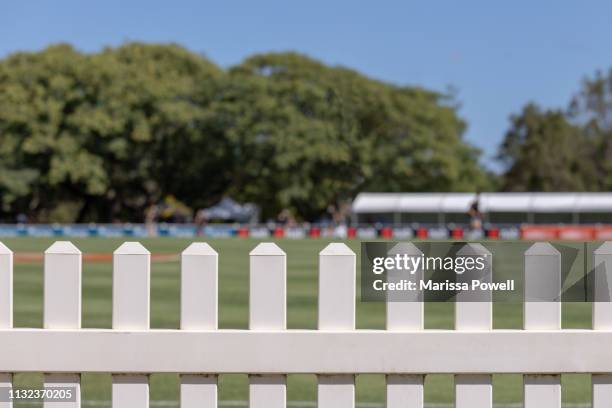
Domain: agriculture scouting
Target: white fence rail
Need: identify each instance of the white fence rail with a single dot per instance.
(199, 351)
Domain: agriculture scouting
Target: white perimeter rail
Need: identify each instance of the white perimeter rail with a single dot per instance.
(199, 351)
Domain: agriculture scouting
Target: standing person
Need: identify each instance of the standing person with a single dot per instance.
(201, 219)
(285, 218)
(475, 214)
(151, 216)
(21, 218)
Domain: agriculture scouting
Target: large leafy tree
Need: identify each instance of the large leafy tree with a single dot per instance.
(543, 151)
(97, 131)
(98, 136)
(553, 150)
(311, 134)
(591, 109)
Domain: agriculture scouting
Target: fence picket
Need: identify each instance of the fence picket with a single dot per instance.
(602, 317)
(199, 303)
(542, 311)
(6, 381)
(405, 314)
(6, 307)
(336, 312)
(267, 311)
(474, 311)
(6, 287)
(62, 307)
(131, 305)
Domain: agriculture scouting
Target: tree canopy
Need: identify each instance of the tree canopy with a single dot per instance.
(562, 150)
(82, 135)
(97, 137)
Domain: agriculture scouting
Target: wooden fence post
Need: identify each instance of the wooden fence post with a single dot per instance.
(131, 303)
(6, 306)
(336, 312)
(62, 307)
(405, 313)
(602, 317)
(267, 311)
(474, 311)
(542, 311)
(199, 303)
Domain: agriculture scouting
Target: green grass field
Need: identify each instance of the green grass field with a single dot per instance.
(302, 258)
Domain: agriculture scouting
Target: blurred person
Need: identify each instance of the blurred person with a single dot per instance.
(285, 218)
(475, 214)
(151, 216)
(201, 219)
(21, 218)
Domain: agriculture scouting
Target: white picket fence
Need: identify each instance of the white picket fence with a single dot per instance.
(199, 351)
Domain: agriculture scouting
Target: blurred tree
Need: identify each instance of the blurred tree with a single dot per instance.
(591, 109)
(543, 151)
(99, 129)
(100, 136)
(306, 135)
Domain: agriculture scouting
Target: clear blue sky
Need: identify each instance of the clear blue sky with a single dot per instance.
(499, 55)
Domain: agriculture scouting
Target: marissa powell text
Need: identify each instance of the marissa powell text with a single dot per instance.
(478, 271)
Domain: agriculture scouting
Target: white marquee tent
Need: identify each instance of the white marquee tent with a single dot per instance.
(510, 207)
